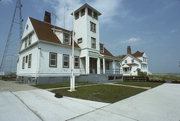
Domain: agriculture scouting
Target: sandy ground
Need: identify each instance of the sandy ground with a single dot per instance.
(14, 86)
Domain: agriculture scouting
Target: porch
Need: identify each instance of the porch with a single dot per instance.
(93, 65)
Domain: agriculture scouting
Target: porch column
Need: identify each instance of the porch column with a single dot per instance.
(104, 66)
(113, 67)
(98, 66)
(87, 65)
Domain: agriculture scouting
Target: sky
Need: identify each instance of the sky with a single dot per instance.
(150, 26)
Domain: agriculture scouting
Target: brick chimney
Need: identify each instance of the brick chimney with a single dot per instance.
(47, 17)
(128, 49)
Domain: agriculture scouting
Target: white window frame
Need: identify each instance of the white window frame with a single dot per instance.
(93, 42)
(76, 62)
(65, 61)
(23, 62)
(79, 41)
(101, 48)
(29, 60)
(64, 38)
(93, 27)
(52, 59)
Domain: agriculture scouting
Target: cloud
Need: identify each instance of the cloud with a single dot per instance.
(174, 30)
(63, 9)
(109, 9)
(6, 1)
(133, 40)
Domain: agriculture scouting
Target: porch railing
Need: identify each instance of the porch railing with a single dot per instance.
(112, 71)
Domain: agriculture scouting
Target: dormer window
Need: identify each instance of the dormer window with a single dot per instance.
(66, 38)
(101, 48)
(83, 12)
(125, 61)
(89, 12)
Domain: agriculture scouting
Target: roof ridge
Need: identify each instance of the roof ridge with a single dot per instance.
(49, 24)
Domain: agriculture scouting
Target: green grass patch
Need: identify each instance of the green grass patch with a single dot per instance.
(101, 93)
(141, 84)
(164, 77)
(63, 84)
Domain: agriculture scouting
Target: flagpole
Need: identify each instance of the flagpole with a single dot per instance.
(72, 81)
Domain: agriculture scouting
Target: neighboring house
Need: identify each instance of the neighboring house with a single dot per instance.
(132, 63)
(45, 55)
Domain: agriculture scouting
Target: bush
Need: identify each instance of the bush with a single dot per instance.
(58, 95)
(176, 81)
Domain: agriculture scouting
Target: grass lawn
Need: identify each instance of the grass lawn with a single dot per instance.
(63, 84)
(164, 77)
(101, 93)
(141, 84)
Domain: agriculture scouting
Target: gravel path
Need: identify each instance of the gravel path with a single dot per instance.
(14, 86)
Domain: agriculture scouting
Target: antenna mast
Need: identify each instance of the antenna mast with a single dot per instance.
(10, 51)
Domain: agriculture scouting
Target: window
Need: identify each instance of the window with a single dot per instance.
(65, 61)
(93, 42)
(66, 38)
(29, 39)
(26, 59)
(77, 15)
(23, 62)
(27, 27)
(89, 12)
(93, 27)
(29, 60)
(101, 48)
(52, 59)
(83, 12)
(76, 62)
(132, 60)
(95, 15)
(125, 61)
(25, 43)
(79, 40)
(144, 59)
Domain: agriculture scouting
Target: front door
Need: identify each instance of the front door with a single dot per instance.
(93, 65)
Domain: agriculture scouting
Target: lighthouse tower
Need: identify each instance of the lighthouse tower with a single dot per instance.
(86, 28)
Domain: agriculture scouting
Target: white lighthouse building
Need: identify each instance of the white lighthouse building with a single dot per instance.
(46, 51)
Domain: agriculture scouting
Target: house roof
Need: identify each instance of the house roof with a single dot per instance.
(129, 64)
(106, 52)
(121, 56)
(138, 54)
(44, 32)
(132, 64)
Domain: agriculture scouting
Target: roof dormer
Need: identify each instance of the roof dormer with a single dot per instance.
(64, 37)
